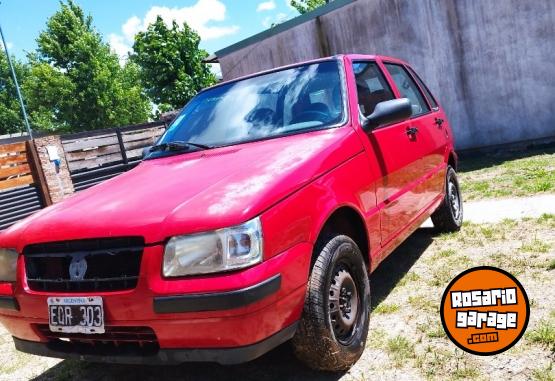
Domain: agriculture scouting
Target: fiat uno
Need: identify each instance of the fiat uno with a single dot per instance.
(257, 218)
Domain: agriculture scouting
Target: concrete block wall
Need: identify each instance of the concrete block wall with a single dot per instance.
(58, 180)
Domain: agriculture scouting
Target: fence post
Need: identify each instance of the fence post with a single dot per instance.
(122, 147)
(57, 177)
(38, 173)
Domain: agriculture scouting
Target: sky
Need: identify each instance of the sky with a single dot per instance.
(220, 23)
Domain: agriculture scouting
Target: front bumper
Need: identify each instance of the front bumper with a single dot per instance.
(193, 318)
(224, 356)
(217, 301)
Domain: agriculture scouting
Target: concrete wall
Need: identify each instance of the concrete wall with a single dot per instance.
(491, 63)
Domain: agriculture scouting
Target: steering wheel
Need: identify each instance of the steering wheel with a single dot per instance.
(311, 115)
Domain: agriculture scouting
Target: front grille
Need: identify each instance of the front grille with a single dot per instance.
(115, 338)
(112, 264)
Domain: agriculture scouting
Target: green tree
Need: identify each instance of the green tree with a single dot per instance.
(304, 6)
(76, 76)
(50, 97)
(11, 119)
(172, 70)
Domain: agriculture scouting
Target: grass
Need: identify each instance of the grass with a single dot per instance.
(547, 219)
(441, 277)
(508, 174)
(439, 363)
(544, 374)
(536, 246)
(376, 339)
(409, 277)
(543, 334)
(523, 247)
(400, 350)
(432, 329)
(385, 308)
(472, 234)
(423, 303)
(444, 254)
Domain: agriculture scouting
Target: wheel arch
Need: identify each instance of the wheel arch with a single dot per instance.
(453, 160)
(344, 219)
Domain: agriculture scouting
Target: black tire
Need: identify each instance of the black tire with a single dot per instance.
(324, 340)
(449, 215)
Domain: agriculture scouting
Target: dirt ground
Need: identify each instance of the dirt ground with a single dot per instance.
(406, 337)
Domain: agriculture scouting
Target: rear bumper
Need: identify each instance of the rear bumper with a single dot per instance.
(224, 356)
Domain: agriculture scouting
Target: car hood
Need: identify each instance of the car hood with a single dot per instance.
(191, 192)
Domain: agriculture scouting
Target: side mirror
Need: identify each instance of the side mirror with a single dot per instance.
(392, 111)
(146, 151)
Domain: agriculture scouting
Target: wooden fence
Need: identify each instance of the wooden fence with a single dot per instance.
(97, 156)
(92, 157)
(19, 195)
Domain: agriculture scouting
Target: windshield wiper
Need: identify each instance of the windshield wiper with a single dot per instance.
(178, 146)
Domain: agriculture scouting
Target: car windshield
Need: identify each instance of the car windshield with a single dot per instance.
(270, 105)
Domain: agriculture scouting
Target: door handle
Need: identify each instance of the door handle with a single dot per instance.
(439, 122)
(412, 131)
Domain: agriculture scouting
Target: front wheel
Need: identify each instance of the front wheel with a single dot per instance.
(334, 326)
(449, 215)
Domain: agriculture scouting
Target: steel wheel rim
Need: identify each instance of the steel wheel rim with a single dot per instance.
(344, 304)
(454, 200)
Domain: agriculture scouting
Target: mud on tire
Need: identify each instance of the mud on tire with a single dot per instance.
(334, 325)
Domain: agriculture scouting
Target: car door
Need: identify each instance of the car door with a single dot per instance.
(438, 138)
(430, 141)
(394, 148)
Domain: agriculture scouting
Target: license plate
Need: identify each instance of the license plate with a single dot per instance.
(81, 314)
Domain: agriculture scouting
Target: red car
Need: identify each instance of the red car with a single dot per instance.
(257, 218)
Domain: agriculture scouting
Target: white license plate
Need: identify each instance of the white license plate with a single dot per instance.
(79, 314)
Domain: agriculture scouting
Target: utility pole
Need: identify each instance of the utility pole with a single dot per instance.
(29, 131)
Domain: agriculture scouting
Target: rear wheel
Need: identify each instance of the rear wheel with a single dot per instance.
(449, 215)
(333, 329)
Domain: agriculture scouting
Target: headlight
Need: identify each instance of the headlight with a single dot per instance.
(8, 265)
(210, 252)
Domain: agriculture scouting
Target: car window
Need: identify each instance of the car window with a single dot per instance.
(372, 87)
(274, 104)
(424, 88)
(408, 89)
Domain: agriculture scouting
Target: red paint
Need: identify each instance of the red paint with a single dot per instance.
(293, 183)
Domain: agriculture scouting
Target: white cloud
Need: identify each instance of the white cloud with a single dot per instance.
(8, 44)
(266, 6)
(198, 16)
(131, 27)
(277, 19)
(120, 46)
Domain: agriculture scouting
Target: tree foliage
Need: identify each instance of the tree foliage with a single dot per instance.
(73, 82)
(172, 71)
(76, 82)
(11, 119)
(304, 6)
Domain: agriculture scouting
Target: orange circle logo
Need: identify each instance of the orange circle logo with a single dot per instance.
(485, 310)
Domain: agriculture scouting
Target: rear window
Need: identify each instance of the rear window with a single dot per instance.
(408, 88)
(427, 92)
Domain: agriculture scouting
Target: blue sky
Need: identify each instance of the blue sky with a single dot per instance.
(219, 22)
